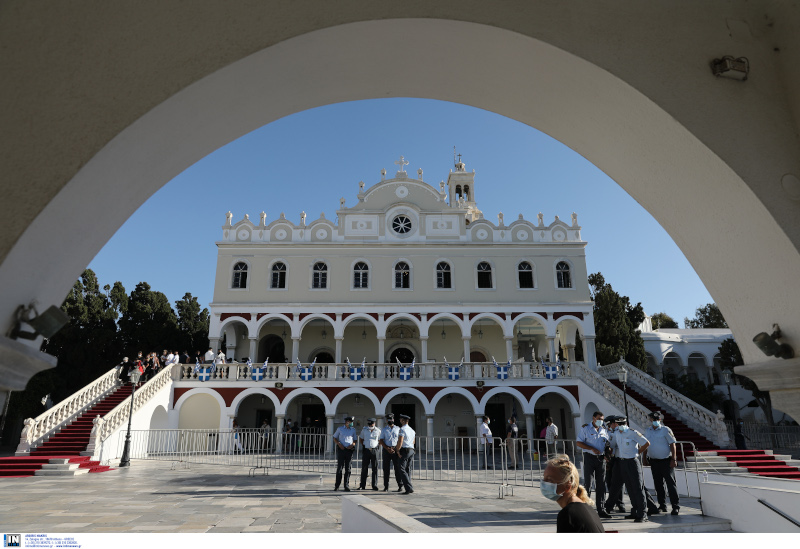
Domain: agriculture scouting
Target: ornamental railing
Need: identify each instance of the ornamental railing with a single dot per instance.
(106, 425)
(238, 372)
(702, 420)
(637, 413)
(37, 430)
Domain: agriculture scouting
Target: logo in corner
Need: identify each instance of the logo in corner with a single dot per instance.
(12, 540)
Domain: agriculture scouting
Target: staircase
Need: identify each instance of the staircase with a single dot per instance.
(60, 454)
(755, 462)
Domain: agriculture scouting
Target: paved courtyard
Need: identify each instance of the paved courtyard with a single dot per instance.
(150, 496)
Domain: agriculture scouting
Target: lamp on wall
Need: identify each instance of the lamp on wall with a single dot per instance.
(727, 66)
(401, 329)
(358, 399)
(449, 399)
(444, 335)
(480, 331)
(283, 335)
(769, 345)
(519, 333)
(324, 333)
(363, 331)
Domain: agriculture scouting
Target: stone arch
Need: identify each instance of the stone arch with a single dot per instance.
(316, 316)
(405, 343)
(159, 418)
(322, 349)
(404, 316)
(357, 316)
(588, 411)
(571, 400)
(233, 320)
(470, 323)
(196, 411)
(448, 316)
(306, 391)
(261, 322)
(254, 391)
(426, 405)
(379, 406)
(457, 391)
(527, 409)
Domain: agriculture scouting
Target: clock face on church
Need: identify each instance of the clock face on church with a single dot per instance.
(401, 224)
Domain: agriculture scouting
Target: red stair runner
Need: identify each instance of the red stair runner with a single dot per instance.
(67, 443)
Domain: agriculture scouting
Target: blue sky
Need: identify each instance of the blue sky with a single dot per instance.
(307, 161)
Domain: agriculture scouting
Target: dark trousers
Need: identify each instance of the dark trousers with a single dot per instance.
(595, 466)
(740, 444)
(390, 463)
(405, 467)
(614, 484)
(343, 459)
(631, 473)
(369, 457)
(664, 474)
(488, 455)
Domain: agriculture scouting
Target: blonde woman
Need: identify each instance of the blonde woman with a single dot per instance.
(561, 483)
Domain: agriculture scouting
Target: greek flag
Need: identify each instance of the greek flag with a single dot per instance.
(249, 364)
(559, 367)
(502, 371)
(205, 374)
(306, 374)
(355, 373)
(266, 362)
(551, 371)
(299, 366)
(196, 365)
(452, 371)
(257, 374)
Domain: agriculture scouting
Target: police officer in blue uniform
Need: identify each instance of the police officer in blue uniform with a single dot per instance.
(345, 439)
(405, 451)
(592, 440)
(388, 441)
(369, 445)
(613, 476)
(627, 444)
(661, 454)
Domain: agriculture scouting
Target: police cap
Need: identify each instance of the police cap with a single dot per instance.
(403, 416)
(349, 418)
(610, 419)
(371, 420)
(620, 420)
(390, 416)
(654, 415)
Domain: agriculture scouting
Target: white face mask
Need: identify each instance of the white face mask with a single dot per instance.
(623, 428)
(598, 423)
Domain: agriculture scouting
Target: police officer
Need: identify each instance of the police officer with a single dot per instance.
(405, 451)
(345, 439)
(613, 476)
(663, 459)
(388, 441)
(592, 440)
(369, 438)
(627, 444)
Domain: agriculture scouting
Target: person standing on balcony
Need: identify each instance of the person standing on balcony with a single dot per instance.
(345, 440)
(662, 455)
(550, 437)
(592, 440)
(389, 436)
(369, 437)
(627, 445)
(405, 451)
(512, 434)
(487, 442)
(209, 357)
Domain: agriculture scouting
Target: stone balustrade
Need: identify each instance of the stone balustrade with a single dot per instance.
(637, 413)
(40, 428)
(239, 372)
(702, 420)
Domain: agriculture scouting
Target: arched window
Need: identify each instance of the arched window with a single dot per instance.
(458, 191)
(443, 275)
(402, 275)
(279, 275)
(240, 275)
(484, 275)
(361, 275)
(525, 272)
(320, 276)
(562, 275)
(466, 192)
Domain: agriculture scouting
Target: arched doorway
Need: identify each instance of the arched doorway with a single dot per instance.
(305, 416)
(323, 357)
(402, 354)
(411, 406)
(199, 420)
(272, 347)
(477, 356)
(455, 417)
(556, 406)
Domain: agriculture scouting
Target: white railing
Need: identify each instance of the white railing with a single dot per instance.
(637, 413)
(238, 372)
(105, 426)
(702, 420)
(37, 429)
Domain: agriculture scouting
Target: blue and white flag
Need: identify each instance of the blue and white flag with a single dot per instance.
(266, 362)
(196, 365)
(551, 371)
(559, 367)
(306, 374)
(355, 374)
(299, 366)
(205, 374)
(452, 371)
(405, 373)
(257, 374)
(502, 371)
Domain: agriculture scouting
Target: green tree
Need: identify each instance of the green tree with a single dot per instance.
(663, 320)
(616, 322)
(730, 356)
(707, 316)
(192, 323)
(149, 323)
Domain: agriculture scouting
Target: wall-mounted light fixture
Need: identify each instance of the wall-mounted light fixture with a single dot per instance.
(727, 66)
(769, 345)
(46, 324)
(444, 335)
(358, 399)
(363, 331)
(283, 335)
(279, 385)
(324, 333)
(480, 384)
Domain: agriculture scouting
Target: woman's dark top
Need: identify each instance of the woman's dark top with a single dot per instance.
(578, 518)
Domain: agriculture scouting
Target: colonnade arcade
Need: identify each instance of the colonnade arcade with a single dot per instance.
(450, 412)
(385, 337)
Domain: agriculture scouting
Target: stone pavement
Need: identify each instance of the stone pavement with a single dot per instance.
(150, 496)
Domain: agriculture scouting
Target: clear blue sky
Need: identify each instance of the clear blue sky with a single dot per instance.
(307, 161)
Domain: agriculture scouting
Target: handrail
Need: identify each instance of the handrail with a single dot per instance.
(106, 425)
(705, 421)
(42, 426)
(771, 507)
(637, 413)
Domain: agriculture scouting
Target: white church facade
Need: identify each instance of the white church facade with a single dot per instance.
(411, 272)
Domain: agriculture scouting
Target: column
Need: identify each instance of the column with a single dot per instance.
(478, 422)
(339, 350)
(213, 342)
(589, 354)
(467, 340)
(551, 347)
(429, 433)
(381, 349)
(253, 348)
(570, 348)
(329, 429)
(295, 349)
(509, 350)
(279, 434)
(424, 343)
(529, 426)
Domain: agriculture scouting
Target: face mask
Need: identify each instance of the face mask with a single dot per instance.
(549, 490)
(623, 428)
(509, 422)
(488, 421)
(390, 423)
(656, 423)
(598, 423)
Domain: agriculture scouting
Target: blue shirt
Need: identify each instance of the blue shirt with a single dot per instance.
(389, 435)
(409, 435)
(626, 445)
(660, 439)
(596, 438)
(370, 437)
(345, 435)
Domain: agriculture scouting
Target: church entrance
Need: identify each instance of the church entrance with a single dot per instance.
(324, 358)
(403, 354)
(272, 347)
(477, 356)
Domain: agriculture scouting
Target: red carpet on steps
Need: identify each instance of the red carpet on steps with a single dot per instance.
(67, 443)
(756, 462)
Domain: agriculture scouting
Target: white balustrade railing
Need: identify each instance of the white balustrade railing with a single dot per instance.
(637, 413)
(38, 429)
(702, 420)
(105, 426)
(238, 372)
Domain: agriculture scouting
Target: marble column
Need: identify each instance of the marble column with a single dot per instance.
(381, 349)
(338, 358)
(424, 345)
(253, 349)
(509, 350)
(295, 349)
(429, 433)
(213, 342)
(478, 423)
(329, 438)
(529, 426)
(279, 434)
(589, 353)
(570, 349)
(551, 348)
(467, 340)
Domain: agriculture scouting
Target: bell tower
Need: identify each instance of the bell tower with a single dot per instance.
(461, 185)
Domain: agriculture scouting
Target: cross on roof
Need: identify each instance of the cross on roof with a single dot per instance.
(401, 163)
